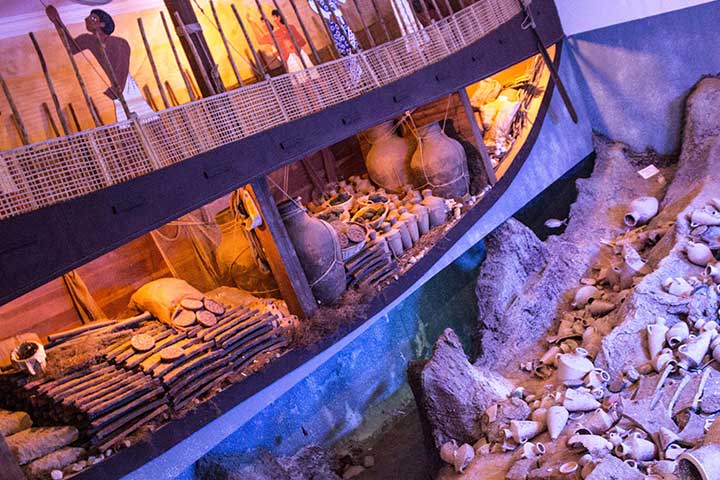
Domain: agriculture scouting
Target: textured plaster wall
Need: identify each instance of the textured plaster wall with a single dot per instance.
(635, 76)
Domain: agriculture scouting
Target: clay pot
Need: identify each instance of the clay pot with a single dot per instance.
(318, 249)
(677, 334)
(579, 401)
(447, 451)
(439, 163)
(713, 270)
(640, 211)
(656, 338)
(423, 216)
(666, 437)
(568, 468)
(463, 456)
(405, 237)
(673, 451)
(596, 445)
(524, 430)
(572, 367)
(557, 417)
(599, 422)
(661, 361)
(692, 352)
(237, 262)
(412, 224)
(698, 253)
(636, 448)
(388, 160)
(585, 295)
(29, 356)
(703, 462)
(437, 209)
(600, 308)
(539, 415)
(550, 356)
(393, 239)
(703, 217)
(596, 378)
(678, 286)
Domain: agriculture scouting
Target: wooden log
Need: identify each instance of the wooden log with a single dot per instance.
(66, 44)
(50, 85)
(166, 369)
(128, 417)
(103, 421)
(477, 136)
(203, 368)
(9, 468)
(226, 44)
(382, 20)
(99, 389)
(19, 124)
(220, 339)
(177, 60)
(155, 414)
(242, 357)
(57, 460)
(246, 334)
(79, 330)
(123, 396)
(65, 388)
(153, 66)
(193, 50)
(229, 325)
(202, 389)
(13, 422)
(281, 255)
(33, 443)
(306, 33)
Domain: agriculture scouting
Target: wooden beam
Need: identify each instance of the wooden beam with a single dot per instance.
(9, 468)
(477, 134)
(280, 252)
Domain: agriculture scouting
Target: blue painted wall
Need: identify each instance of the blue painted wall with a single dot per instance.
(635, 76)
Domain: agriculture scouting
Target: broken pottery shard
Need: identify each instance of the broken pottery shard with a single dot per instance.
(694, 430)
(452, 394)
(36, 442)
(710, 402)
(56, 460)
(507, 411)
(13, 422)
(612, 468)
(649, 419)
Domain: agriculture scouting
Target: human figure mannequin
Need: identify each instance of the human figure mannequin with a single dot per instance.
(100, 23)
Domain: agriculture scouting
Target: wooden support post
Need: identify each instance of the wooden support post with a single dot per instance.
(369, 34)
(225, 42)
(281, 255)
(256, 58)
(148, 50)
(177, 59)
(9, 468)
(206, 86)
(478, 135)
(50, 85)
(194, 44)
(329, 164)
(382, 20)
(22, 131)
(66, 43)
(318, 61)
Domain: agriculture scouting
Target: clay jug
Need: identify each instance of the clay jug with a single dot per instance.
(402, 227)
(436, 208)
(422, 215)
(318, 249)
(641, 210)
(572, 367)
(440, 163)
(392, 237)
(412, 223)
(236, 260)
(388, 160)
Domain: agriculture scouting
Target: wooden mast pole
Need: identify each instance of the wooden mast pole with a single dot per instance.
(478, 136)
(209, 89)
(318, 61)
(19, 124)
(254, 53)
(50, 85)
(227, 45)
(177, 58)
(148, 50)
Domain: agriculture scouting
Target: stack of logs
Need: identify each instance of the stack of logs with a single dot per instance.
(152, 371)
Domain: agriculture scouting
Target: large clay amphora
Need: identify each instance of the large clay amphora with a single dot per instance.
(318, 249)
(237, 261)
(439, 163)
(388, 160)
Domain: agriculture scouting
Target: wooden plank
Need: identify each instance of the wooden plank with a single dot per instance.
(9, 468)
(477, 135)
(281, 255)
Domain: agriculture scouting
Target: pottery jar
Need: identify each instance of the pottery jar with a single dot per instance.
(698, 253)
(392, 237)
(412, 224)
(422, 214)
(524, 430)
(29, 356)
(636, 448)
(599, 422)
(693, 352)
(318, 249)
(585, 295)
(656, 333)
(640, 211)
(404, 232)
(702, 217)
(388, 160)
(677, 334)
(713, 270)
(557, 417)
(436, 206)
(237, 262)
(440, 163)
(463, 456)
(579, 401)
(572, 367)
(596, 378)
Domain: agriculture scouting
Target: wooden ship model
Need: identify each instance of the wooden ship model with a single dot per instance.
(276, 178)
